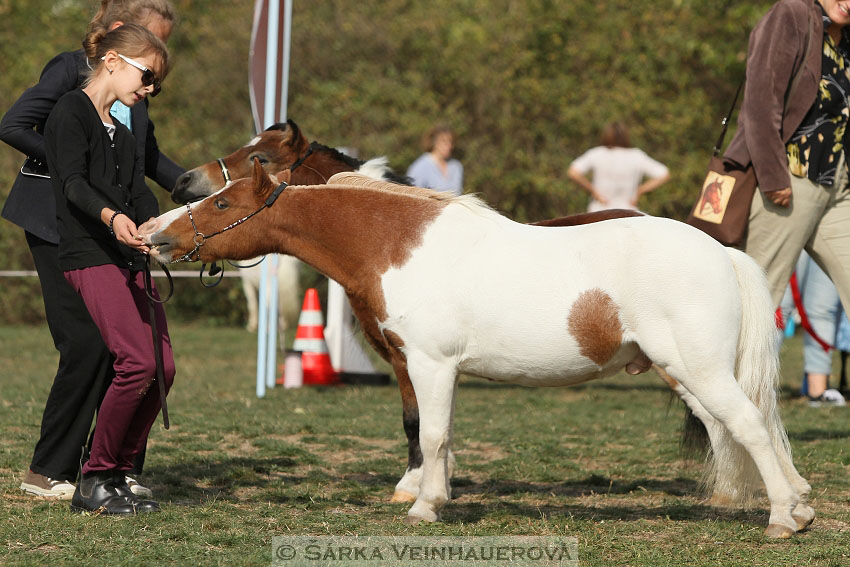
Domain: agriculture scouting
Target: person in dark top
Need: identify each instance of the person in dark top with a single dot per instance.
(85, 365)
(101, 198)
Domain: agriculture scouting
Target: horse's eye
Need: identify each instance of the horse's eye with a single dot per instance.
(221, 204)
(262, 159)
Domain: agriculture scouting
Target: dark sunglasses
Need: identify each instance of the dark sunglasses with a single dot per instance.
(148, 78)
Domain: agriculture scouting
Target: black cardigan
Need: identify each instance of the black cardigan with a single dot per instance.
(30, 204)
(90, 172)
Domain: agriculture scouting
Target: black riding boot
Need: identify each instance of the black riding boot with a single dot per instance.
(119, 481)
(97, 493)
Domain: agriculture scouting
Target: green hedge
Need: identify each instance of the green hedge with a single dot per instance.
(526, 84)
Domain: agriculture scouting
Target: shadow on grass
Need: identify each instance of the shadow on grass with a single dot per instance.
(472, 512)
(819, 434)
(593, 484)
(193, 482)
(281, 480)
(484, 384)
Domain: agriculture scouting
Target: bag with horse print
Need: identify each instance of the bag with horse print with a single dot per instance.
(723, 208)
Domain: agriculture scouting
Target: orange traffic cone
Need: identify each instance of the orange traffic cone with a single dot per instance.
(316, 365)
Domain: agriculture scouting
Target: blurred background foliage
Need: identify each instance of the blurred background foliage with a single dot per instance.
(526, 84)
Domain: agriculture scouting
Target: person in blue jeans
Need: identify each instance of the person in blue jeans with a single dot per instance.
(823, 308)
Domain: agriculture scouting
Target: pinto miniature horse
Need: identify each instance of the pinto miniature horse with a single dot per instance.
(580, 305)
(284, 147)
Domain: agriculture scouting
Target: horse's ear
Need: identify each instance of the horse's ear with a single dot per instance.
(296, 132)
(262, 183)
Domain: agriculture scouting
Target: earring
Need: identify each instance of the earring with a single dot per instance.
(110, 71)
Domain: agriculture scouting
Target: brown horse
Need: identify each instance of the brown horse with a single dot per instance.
(283, 147)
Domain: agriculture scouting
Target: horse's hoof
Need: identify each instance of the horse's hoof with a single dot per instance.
(804, 516)
(403, 496)
(778, 531)
(412, 520)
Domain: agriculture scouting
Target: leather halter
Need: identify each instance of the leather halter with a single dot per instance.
(200, 238)
(301, 159)
(224, 171)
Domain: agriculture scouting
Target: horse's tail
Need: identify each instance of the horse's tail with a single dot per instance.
(731, 473)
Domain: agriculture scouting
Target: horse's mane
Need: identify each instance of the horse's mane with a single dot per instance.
(361, 180)
(351, 162)
(352, 178)
(337, 155)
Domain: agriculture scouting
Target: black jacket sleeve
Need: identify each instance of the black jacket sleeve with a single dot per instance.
(158, 166)
(23, 124)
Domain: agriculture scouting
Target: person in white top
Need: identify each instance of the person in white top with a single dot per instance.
(617, 171)
(436, 169)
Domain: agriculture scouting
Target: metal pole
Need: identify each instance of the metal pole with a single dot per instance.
(271, 352)
(263, 340)
(262, 325)
(287, 35)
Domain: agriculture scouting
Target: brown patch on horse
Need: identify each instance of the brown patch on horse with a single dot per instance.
(594, 322)
(369, 253)
(588, 218)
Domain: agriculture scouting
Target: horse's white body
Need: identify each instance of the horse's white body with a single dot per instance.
(288, 291)
(499, 300)
(508, 319)
(455, 287)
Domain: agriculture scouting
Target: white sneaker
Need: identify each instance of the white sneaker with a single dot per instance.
(831, 397)
(137, 488)
(47, 487)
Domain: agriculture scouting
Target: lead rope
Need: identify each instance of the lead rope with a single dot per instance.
(157, 350)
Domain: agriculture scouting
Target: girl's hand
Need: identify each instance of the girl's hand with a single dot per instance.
(126, 232)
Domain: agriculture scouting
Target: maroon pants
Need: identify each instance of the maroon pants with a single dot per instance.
(116, 300)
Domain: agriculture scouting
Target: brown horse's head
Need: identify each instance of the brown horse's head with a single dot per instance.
(278, 148)
(224, 225)
(712, 196)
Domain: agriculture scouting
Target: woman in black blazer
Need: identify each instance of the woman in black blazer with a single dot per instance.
(85, 364)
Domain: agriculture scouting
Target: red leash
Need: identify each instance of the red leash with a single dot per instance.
(804, 320)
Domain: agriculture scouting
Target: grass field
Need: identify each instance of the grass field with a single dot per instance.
(598, 462)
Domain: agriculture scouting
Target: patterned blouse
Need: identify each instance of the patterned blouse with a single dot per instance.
(816, 146)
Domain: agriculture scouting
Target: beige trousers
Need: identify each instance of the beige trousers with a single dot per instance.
(817, 220)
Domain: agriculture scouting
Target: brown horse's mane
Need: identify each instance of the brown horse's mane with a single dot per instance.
(335, 154)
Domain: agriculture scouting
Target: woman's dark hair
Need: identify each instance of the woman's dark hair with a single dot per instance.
(615, 135)
(431, 136)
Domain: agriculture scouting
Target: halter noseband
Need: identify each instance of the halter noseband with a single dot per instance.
(224, 171)
(200, 238)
